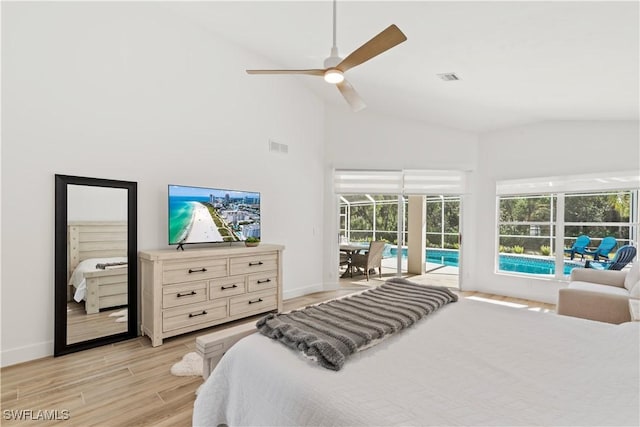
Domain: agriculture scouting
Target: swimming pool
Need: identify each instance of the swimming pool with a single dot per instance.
(507, 262)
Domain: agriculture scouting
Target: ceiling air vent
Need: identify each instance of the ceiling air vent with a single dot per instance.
(448, 77)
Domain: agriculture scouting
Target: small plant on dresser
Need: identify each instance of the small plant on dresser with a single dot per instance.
(252, 241)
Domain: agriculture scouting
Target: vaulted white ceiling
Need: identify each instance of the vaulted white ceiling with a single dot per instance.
(519, 62)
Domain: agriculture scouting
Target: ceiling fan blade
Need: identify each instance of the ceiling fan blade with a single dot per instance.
(312, 72)
(384, 41)
(352, 97)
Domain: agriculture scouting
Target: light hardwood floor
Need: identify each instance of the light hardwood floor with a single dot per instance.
(129, 383)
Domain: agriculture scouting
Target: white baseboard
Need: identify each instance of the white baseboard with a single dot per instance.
(25, 354)
(298, 292)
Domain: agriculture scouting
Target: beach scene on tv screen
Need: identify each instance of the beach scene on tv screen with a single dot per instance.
(203, 215)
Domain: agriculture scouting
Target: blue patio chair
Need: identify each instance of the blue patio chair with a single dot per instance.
(623, 257)
(579, 247)
(602, 251)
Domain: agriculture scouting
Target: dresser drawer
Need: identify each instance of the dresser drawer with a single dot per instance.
(256, 302)
(255, 263)
(221, 288)
(262, 281)
(175, 295)
(193, 269)
(182, 317)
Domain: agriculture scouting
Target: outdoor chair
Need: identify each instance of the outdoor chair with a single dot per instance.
(603, 250)
(579, 246)
(623, 257)
(345, 259)
(371, 259)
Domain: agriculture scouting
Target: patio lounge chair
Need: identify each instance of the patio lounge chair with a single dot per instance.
(579, 246)
(371, 259)
(602, 251)
(623, 257)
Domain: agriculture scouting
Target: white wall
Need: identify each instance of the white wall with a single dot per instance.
(370, 141)
(126, 91)
(544, 149)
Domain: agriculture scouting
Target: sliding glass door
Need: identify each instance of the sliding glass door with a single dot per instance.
(416, 212)
(367, 217)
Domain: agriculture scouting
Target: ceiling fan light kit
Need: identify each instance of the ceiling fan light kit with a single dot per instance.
(333, 75)
(335, 67)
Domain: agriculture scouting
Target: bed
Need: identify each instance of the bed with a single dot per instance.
(469, 363)
(102, 244)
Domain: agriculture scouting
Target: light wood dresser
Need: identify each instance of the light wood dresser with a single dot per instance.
(183, 291)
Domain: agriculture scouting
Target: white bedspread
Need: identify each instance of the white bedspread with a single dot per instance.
(470, 363)
(77, 277)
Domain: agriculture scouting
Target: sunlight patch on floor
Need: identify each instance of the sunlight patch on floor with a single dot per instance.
(493, 301)
(541, 310)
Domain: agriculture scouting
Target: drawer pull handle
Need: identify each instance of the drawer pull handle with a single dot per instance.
(197, 314)
(251, 264)
(179, 295)
(264, 281)
(255, 301)
(222, 288)
(202, 270)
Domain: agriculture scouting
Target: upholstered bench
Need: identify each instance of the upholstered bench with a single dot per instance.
(600, 295)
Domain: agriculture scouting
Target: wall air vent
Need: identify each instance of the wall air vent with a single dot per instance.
(276, 147)
(448, 77)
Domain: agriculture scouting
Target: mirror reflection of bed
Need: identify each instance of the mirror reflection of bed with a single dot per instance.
(97, 290)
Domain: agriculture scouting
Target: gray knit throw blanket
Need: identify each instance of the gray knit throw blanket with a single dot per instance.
(331, 331)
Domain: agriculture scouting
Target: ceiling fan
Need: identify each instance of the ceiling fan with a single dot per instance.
(335, 66)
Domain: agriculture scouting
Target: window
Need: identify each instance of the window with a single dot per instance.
(526, 224)
(598, 215)
(534, 229)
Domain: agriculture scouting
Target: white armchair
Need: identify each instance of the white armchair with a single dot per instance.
(601, 295)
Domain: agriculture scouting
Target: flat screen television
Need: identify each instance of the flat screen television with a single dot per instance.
(212, 215)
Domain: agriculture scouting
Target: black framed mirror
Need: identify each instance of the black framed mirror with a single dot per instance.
(96, 296)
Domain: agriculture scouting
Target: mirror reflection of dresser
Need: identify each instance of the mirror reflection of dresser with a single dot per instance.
(95, 264)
